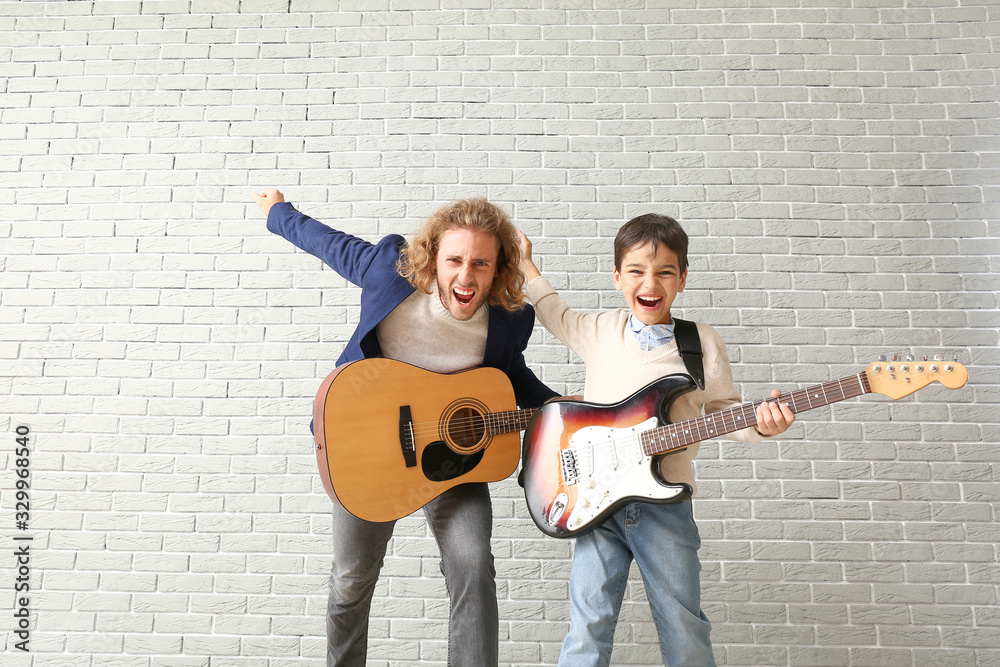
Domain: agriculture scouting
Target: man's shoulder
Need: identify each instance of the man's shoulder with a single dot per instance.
(392, 240)
(523, 314)
(390, 244)
(383, 267)
(389, 247)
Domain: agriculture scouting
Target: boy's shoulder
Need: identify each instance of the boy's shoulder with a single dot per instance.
(540, 288)
(705, 331)
(612, 320)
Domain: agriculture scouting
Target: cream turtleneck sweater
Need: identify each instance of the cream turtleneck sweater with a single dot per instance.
(420, 331)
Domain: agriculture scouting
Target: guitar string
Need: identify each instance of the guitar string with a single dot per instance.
(673, 429)
(466, 426)
(469, 426)
(613, 443)
(454, 437)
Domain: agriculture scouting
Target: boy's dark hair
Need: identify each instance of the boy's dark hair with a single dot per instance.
(652, 228)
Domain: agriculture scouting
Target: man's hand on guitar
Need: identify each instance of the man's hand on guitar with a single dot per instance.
(267, 198)
(774, 418)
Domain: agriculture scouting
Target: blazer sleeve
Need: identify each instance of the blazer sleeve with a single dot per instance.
(346, 254)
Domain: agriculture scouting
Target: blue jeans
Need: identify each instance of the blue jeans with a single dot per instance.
(664, 541)
(461, 520)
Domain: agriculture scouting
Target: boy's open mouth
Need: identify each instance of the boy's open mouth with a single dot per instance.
(649, 301)
(464, 296)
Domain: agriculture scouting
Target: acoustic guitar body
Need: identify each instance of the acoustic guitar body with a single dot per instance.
(391, 437)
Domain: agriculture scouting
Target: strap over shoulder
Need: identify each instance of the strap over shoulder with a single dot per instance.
(689, 346)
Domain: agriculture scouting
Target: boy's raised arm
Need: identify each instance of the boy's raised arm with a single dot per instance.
(577, 331)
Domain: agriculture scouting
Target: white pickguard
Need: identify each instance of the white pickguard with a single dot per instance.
(610, 465)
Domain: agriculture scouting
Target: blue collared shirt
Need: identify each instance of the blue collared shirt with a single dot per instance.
(649, 337)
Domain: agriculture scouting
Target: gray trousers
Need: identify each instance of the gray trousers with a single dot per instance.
(461, 520)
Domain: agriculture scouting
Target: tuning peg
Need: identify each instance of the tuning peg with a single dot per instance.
(938, 357)
(925, 357)
(881, 357)
(895, 357)
(909, 357)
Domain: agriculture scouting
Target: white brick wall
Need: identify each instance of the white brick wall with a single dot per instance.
(836, 165)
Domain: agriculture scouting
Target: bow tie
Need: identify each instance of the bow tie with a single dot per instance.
(650, 336)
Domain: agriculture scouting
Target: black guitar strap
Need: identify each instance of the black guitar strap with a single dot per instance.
(689, 346)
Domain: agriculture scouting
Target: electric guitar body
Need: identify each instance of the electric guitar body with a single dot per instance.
(582, 461)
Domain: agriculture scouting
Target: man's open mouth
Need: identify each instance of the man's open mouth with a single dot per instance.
(464, 296)
(649, 301)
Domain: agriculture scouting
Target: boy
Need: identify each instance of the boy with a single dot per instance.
(624, 350)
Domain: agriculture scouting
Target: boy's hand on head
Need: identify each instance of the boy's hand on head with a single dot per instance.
(267, 198)
(774, 418)
(528, 267)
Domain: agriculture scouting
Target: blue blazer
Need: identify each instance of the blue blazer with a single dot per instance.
(373, 268)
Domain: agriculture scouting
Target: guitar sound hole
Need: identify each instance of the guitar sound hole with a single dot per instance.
(466, 430)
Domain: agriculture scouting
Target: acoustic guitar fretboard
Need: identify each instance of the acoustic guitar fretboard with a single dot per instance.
(508, 421)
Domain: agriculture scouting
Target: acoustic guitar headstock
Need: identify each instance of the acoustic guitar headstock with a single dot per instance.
(899, 378)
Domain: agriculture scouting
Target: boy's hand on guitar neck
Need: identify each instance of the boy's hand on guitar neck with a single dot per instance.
(773, 417)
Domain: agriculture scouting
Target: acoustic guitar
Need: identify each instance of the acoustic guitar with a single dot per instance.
(391, 437)
(582, 461)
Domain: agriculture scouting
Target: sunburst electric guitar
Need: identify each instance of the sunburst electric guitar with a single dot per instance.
(391, 437)
(583, 461)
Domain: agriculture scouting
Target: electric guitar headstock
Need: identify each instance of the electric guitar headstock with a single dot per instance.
(899, 378)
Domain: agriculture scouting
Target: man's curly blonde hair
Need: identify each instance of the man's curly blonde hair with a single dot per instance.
(417, 260)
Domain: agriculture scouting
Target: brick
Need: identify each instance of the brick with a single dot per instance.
(835, 191)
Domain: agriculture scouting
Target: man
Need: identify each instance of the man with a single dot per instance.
(450, 299)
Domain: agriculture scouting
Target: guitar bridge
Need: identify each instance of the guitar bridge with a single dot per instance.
(407, 441)
(567, 460)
